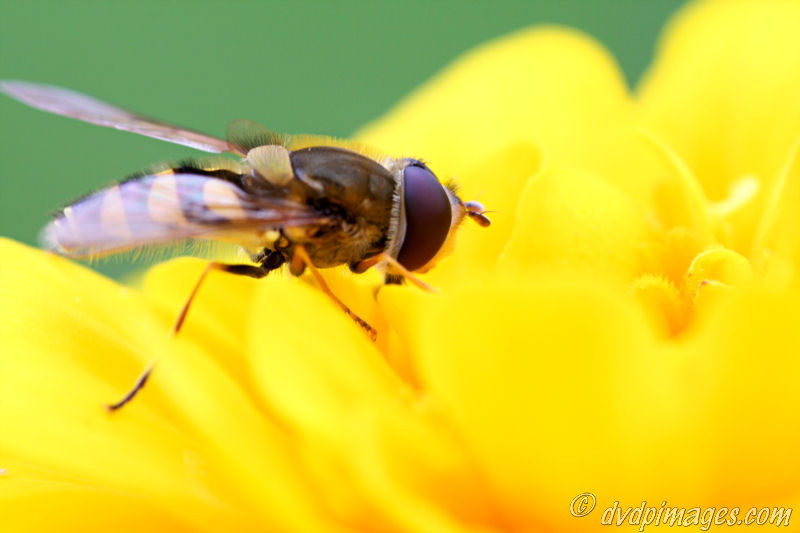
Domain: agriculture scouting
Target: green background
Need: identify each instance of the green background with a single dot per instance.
(310, 67)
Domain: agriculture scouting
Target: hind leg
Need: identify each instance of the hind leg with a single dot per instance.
(268, 261)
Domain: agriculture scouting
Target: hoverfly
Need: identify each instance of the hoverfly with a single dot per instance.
(305, 201)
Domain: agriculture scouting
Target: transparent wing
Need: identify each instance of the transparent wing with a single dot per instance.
(82, 107)
(245, 135)
(298, 142)
(166, 208)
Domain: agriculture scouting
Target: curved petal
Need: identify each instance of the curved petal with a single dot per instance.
(353, 419)
(74, 340)
(719, 265)
(587, 400)
(575, 220)
(723, 89)
(68, 336)
(552, 87)
(558, 388)
(679, 198)
(663, 303)
(778, 232)
(216, 320)
(316, 376)
(745, 370)
(478, 248)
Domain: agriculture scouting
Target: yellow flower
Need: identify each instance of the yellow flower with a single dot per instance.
(627, 326)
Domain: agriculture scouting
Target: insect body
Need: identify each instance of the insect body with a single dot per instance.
(340, 209)
(303, 201)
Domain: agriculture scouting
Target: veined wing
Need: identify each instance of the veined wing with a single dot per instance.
(82, 107)
(245, 134)
(298, 142)
(165, 208)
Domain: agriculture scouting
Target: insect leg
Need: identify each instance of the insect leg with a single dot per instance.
(301, 257)
(404, 272)
(137, 386)
(268, 263)
(252, 271)
(407, 273)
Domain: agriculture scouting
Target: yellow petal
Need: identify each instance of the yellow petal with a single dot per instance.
(552, 87)
(733, 216)
(778, 234)
(68, 336)
(663, 303)
(353, 418)
(558, 388)
(745, 374)
(35, 498)
(719, 265)
(317, 375)
(74, 341)
(723, 89)
(586, 400)
(679, 199)
(478, 248)
(675, 251)
(217, 317)
(575, 220)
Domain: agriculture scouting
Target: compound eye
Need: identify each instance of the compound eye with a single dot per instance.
(428, 216)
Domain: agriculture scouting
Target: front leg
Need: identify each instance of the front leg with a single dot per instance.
(391, 278)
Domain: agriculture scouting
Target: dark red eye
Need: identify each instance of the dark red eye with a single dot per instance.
(428, 215)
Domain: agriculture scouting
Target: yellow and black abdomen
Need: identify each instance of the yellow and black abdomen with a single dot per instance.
(167, 207)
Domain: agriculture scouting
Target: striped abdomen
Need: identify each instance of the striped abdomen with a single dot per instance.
(163, 208)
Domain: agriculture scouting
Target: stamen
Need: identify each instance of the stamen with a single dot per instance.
(741, 193)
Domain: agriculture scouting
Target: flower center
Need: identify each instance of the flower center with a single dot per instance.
(689, 273)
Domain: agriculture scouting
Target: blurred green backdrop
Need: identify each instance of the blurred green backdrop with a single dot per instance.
(312, 67)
